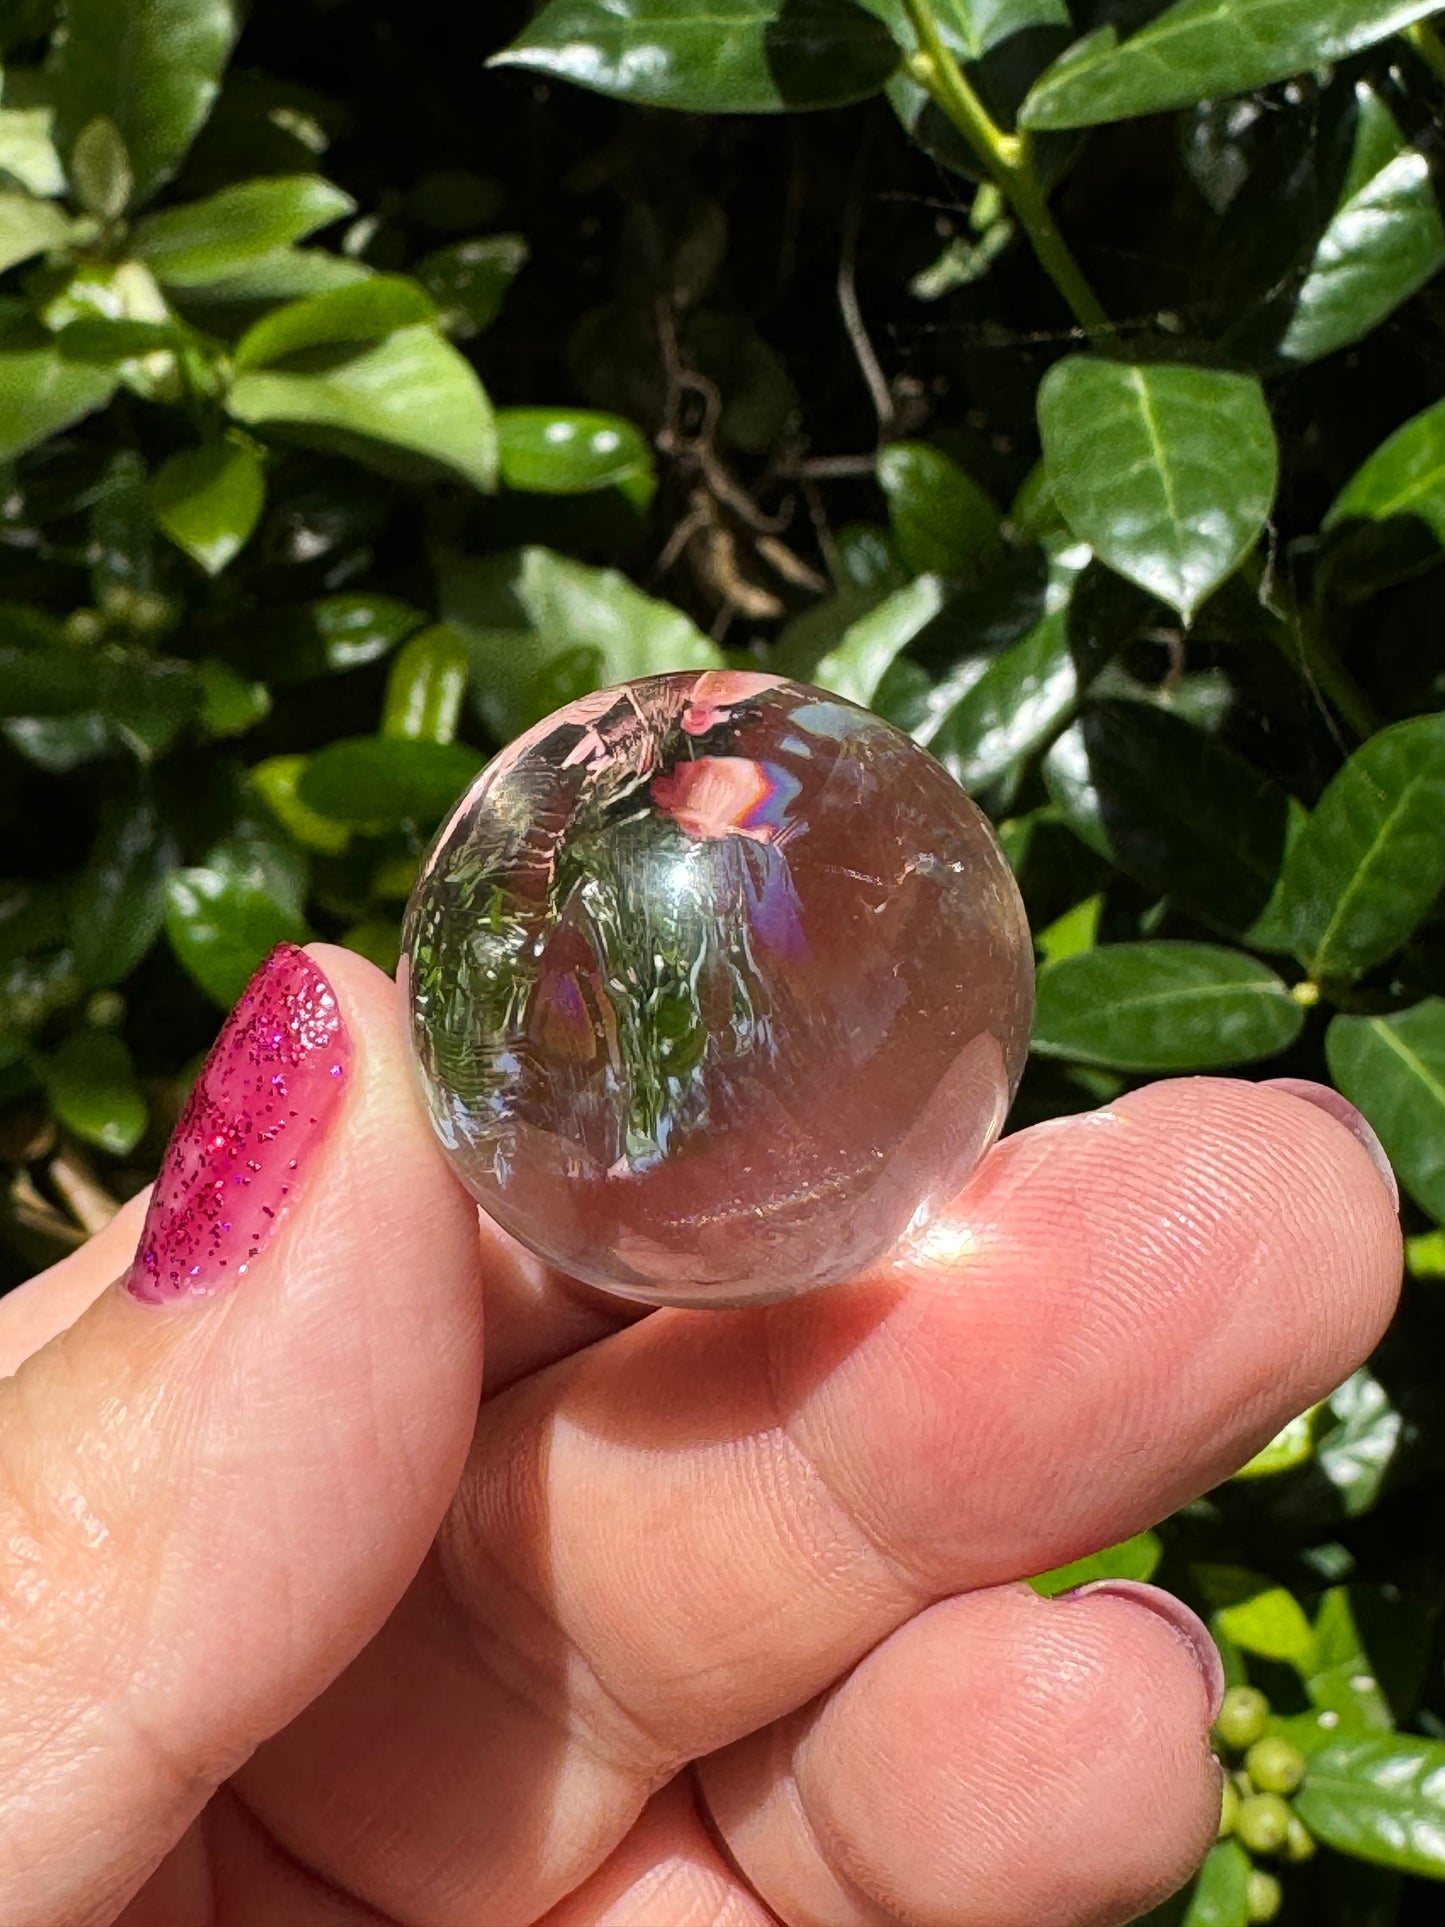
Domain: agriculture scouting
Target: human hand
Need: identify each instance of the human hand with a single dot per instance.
(707, 1617)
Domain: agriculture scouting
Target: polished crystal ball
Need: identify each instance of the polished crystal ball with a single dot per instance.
(719, 986)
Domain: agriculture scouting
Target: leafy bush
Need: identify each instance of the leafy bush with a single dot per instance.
(1066, 386)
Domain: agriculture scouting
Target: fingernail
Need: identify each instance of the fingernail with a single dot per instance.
(1344, 1112)
(238, 1160)
(1186, 1626)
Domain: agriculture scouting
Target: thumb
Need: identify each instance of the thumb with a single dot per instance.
(216, 1484)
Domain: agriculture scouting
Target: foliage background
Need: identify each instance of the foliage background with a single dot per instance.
(360, 402)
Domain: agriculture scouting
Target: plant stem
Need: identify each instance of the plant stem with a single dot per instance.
(1008, 160)
(1428, 44)
(1301, 638)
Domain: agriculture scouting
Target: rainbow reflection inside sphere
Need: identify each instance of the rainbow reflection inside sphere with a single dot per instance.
(719, 985)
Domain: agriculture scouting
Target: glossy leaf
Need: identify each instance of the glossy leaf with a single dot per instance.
(1180, 813)
(118, 903)
(1267, 1621)
(150, 66)
(1221, 1892)
(855, 667)
(426, 687)
(1339, 1676)
(1203, 49)
(27, 152)
(29, 227)
(277, 781)
(1168, 472)
(362, 311)
(334, 635)
(1381, 1799)
(203, 241)
(526, 615)
(286, 274)
(1370, 861)
(1384, 241)
(1393, 1069)
(411, 391)
(1136, 1558)
(209, 500)
(230, 702)
(1023, 696)
(711, 56)
(469, 280)
(941, 520)
(562, 451)
(42, 392)
(383, 782)
(223, 916)
(90, 1082)
(1404, 477)
(1163, 1007)
(1358, 1444)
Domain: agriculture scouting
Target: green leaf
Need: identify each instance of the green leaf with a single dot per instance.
(1204, 49)
(571, 451)
(711, 56)
(1168, 473)
(362, 311)
(526, 614)
(1393, 1069)
(1384, 241)
(150, 66)
(469, 280)
(1405, 476)
(118, 903)
(1358, 1436)
(100, 169)
(855, 666)
(1136, 1558)
(1339, 1676)
(42, 392)
(1269, 1622)
(286, 274)
(230, 703)
(1369, 863)
(91, 1085)
(1293, 1445)
(1022, 697)
(425, 687)
(277, 782)
(942, 521)
(27, 152)
(206, 240)
(1163, 1007)
(209, 500)
(384, 782)
(29, 227)
(335, 634)
(1180, 813)
(1221, 1891)
(1380, 1799)
(223, 916)
(412, 391)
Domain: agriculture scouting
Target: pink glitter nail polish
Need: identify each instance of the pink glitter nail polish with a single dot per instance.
(255, 1120)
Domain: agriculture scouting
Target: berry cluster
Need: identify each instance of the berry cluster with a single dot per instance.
(1265, 1771)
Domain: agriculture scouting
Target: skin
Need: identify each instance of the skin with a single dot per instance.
(706, 1617)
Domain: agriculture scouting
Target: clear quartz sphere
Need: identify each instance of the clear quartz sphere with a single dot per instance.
(719, 985)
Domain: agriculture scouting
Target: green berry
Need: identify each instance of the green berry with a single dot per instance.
(84, 628)
(1263, 1896)
(1274, 1765)
(105, 1010)
(1229, 1806)
(1300, 1842)
(150, 613)
(1242, 1718)
(1263, 1823)
(117, 601)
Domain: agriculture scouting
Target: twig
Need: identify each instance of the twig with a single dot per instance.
(868, 364)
